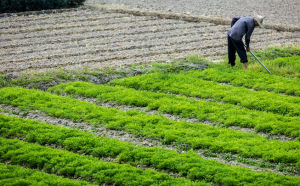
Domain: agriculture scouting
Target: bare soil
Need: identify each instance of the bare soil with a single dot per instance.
(91, 38)
(283, 12)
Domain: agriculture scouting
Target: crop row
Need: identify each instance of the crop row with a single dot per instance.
(103, 47)
(112, 37)
(194, 135)
(191, 165)
(17, 175)
(185, 107)
(86, 168)
(188, 84)
(251, 79)
(284, 66)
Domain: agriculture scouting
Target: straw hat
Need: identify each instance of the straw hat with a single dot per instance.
(259, 20)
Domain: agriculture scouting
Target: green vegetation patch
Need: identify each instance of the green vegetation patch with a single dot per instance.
(187, 164)
(187, 83)
(86, 168)
(281, 61)
(251, 79)
(230, 115)
(17, 175)
(195, 135)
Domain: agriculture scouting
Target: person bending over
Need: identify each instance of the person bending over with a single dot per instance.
(241, 26)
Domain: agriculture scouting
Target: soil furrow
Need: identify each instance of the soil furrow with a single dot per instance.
(114, 46)
(212, 53)
(61, 20)
(148, 29)
(148, 35)
(30, 47)
(122, 55)
(125, 136)
(76, 24)
(57, 35)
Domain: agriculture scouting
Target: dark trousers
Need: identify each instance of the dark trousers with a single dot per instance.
(233, 47)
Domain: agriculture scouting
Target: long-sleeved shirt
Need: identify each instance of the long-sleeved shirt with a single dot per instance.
(241, 26)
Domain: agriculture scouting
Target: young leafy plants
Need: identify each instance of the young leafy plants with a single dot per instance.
(17, 175)
(195, 135)
(187, 83)
(230, 115)
(189, 164)
(86, 168)
(251, 79)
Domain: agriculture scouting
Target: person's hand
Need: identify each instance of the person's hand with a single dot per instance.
(247, 49)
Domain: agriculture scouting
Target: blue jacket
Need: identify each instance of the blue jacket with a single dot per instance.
(241, 26)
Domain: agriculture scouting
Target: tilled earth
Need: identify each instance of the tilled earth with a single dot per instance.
(93, 38)
(276, 11)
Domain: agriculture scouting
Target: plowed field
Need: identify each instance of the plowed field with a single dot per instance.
(94, 38)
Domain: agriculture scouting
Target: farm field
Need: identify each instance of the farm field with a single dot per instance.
(282, 12)
(178, 127)
(110, 94)
(94, 38)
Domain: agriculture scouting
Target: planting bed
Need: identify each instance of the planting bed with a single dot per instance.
(94, 38)
(185, 122)
(197, 127)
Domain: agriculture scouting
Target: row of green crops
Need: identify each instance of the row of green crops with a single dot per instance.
(195, 135)
(187, 84)
(86, 168)
(16, 175)
(251, 79)
(281, 61)
(178, 105)
(283, 66)
(187, 164)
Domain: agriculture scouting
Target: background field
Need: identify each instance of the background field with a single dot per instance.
(82, 103)
(93, 38)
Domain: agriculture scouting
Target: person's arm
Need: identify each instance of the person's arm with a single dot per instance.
(250, 28)
(235, 19)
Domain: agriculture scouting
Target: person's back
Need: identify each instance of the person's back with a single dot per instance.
(241, 26)
(244, 25)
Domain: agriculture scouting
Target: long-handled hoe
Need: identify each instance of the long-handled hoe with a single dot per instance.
(259, 61)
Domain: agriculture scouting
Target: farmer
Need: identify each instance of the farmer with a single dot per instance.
(241, 26)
